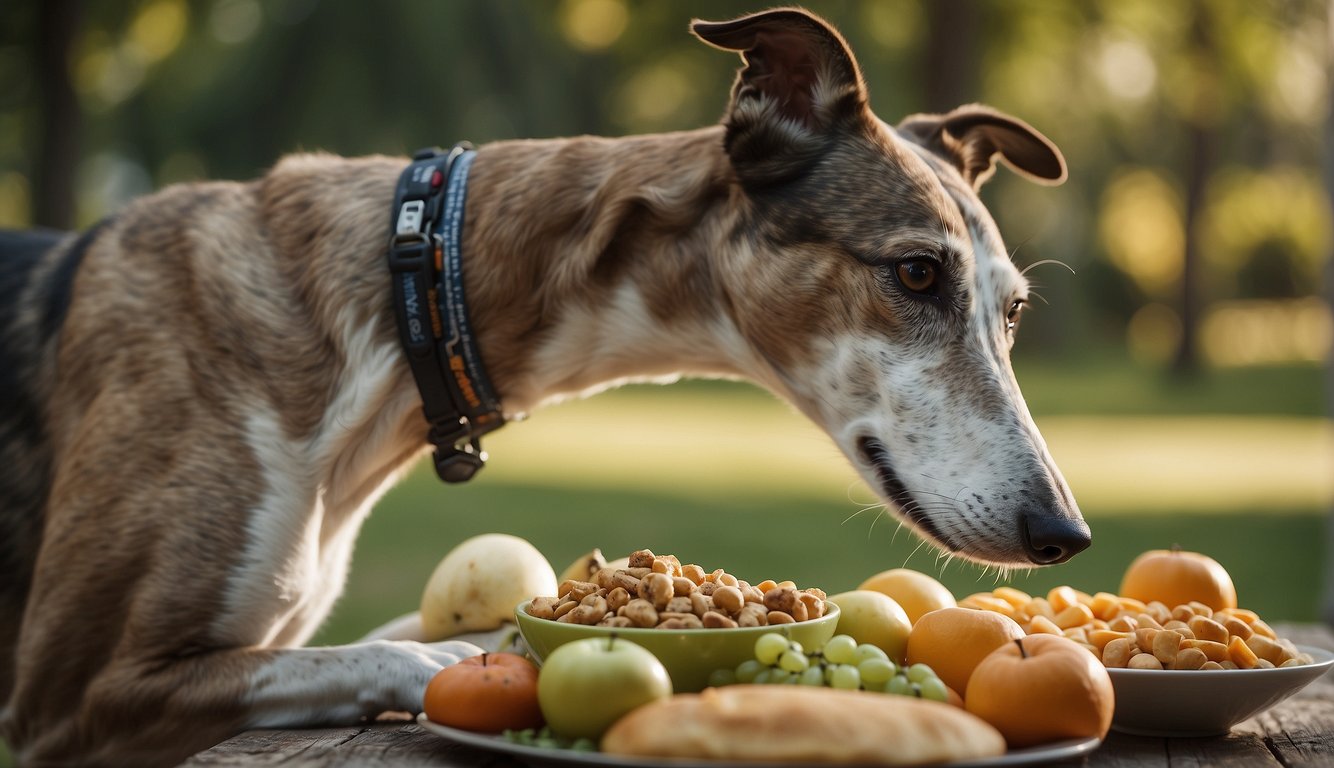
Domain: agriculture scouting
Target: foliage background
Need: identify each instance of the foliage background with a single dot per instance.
(1194, 130)
(1176, 367)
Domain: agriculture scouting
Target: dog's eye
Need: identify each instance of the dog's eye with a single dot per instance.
(917, 275)
(1012, 317)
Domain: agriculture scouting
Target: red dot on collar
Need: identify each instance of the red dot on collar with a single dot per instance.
(437, 178)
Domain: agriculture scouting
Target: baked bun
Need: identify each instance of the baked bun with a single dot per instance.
(796, 724)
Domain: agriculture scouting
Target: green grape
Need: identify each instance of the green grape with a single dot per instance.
(916, 690)
(793, 661)
(841, 649)
(919, 672)
(829, 673)
(762, 678)
(867, 651)
(881, 687)
(814, 675)
(900, 686)
(795, 647)
(747, 670)
(876, 670)
(720, 677)
(769, 647)
(846, 677)
(779, 677)
(932, 688)
(584, 744)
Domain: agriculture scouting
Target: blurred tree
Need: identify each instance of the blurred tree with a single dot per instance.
(1216, 102)
(950, 56)
(1328, 169)
(58, 124)
(1200, 129)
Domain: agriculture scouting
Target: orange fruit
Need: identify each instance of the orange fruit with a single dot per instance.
(487, 693)
(1047, 689)
(1173, 577)
(917, 593)
(953, 641)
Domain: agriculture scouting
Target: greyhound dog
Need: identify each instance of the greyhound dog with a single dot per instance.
(205, 393)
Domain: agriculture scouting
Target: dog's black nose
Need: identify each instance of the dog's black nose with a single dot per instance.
(1049, 539)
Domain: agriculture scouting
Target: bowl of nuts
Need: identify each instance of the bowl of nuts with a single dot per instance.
(694, 621)
(1184, 670)
(1206, 702)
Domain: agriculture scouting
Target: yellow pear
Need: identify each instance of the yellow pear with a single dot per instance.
(480, 582)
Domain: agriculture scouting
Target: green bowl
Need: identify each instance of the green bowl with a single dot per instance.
(690, 655)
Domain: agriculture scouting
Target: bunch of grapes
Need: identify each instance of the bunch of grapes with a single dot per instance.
(841, 663)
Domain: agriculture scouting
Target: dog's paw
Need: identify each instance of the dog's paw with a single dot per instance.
(402, 670)
(505, 639)
(451, 651)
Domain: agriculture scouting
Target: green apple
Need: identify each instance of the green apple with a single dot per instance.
(586, 685)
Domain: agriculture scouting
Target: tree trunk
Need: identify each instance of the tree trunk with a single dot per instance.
(1199, 165)
(951, 54)
(58, 133)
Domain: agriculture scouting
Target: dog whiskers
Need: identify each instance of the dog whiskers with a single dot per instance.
(1039, 263)
(874, 520)
(863, 509)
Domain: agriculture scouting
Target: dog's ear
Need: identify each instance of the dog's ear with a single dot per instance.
(971, 137)
(799, 85)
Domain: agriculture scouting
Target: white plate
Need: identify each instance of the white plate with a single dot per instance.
(1060, 750)
(1153, 702)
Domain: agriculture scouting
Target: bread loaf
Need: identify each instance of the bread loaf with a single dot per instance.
(782, 724)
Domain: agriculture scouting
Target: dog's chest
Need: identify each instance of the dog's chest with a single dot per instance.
(297, 550)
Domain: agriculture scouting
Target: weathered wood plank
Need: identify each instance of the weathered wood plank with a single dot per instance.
(264, 747)
(409, 746)
(1299, 732)
(1235, 749)
(1121, 750)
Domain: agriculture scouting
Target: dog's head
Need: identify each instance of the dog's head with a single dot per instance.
(874, 286)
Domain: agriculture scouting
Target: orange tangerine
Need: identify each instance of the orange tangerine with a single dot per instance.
(1175, 577)
(953, 641)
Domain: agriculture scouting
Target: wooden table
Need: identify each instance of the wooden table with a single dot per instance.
(1300, 731)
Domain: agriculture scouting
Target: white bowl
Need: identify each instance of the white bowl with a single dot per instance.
(1151, 702)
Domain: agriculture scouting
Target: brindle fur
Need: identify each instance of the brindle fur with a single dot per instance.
(189, 443)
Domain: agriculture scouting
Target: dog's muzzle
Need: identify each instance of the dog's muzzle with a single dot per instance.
(1046, 535)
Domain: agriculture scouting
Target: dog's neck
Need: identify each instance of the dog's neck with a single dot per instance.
(588, 263)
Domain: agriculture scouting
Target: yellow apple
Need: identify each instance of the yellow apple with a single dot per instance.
(917, 593)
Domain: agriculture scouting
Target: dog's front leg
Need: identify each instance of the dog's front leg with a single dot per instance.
(323, 686)
(146, 712)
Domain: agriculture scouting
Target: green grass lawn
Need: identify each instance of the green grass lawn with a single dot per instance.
(724, 475)
(1275, 557)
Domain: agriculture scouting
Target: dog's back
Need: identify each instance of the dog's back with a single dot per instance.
(37, 271)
